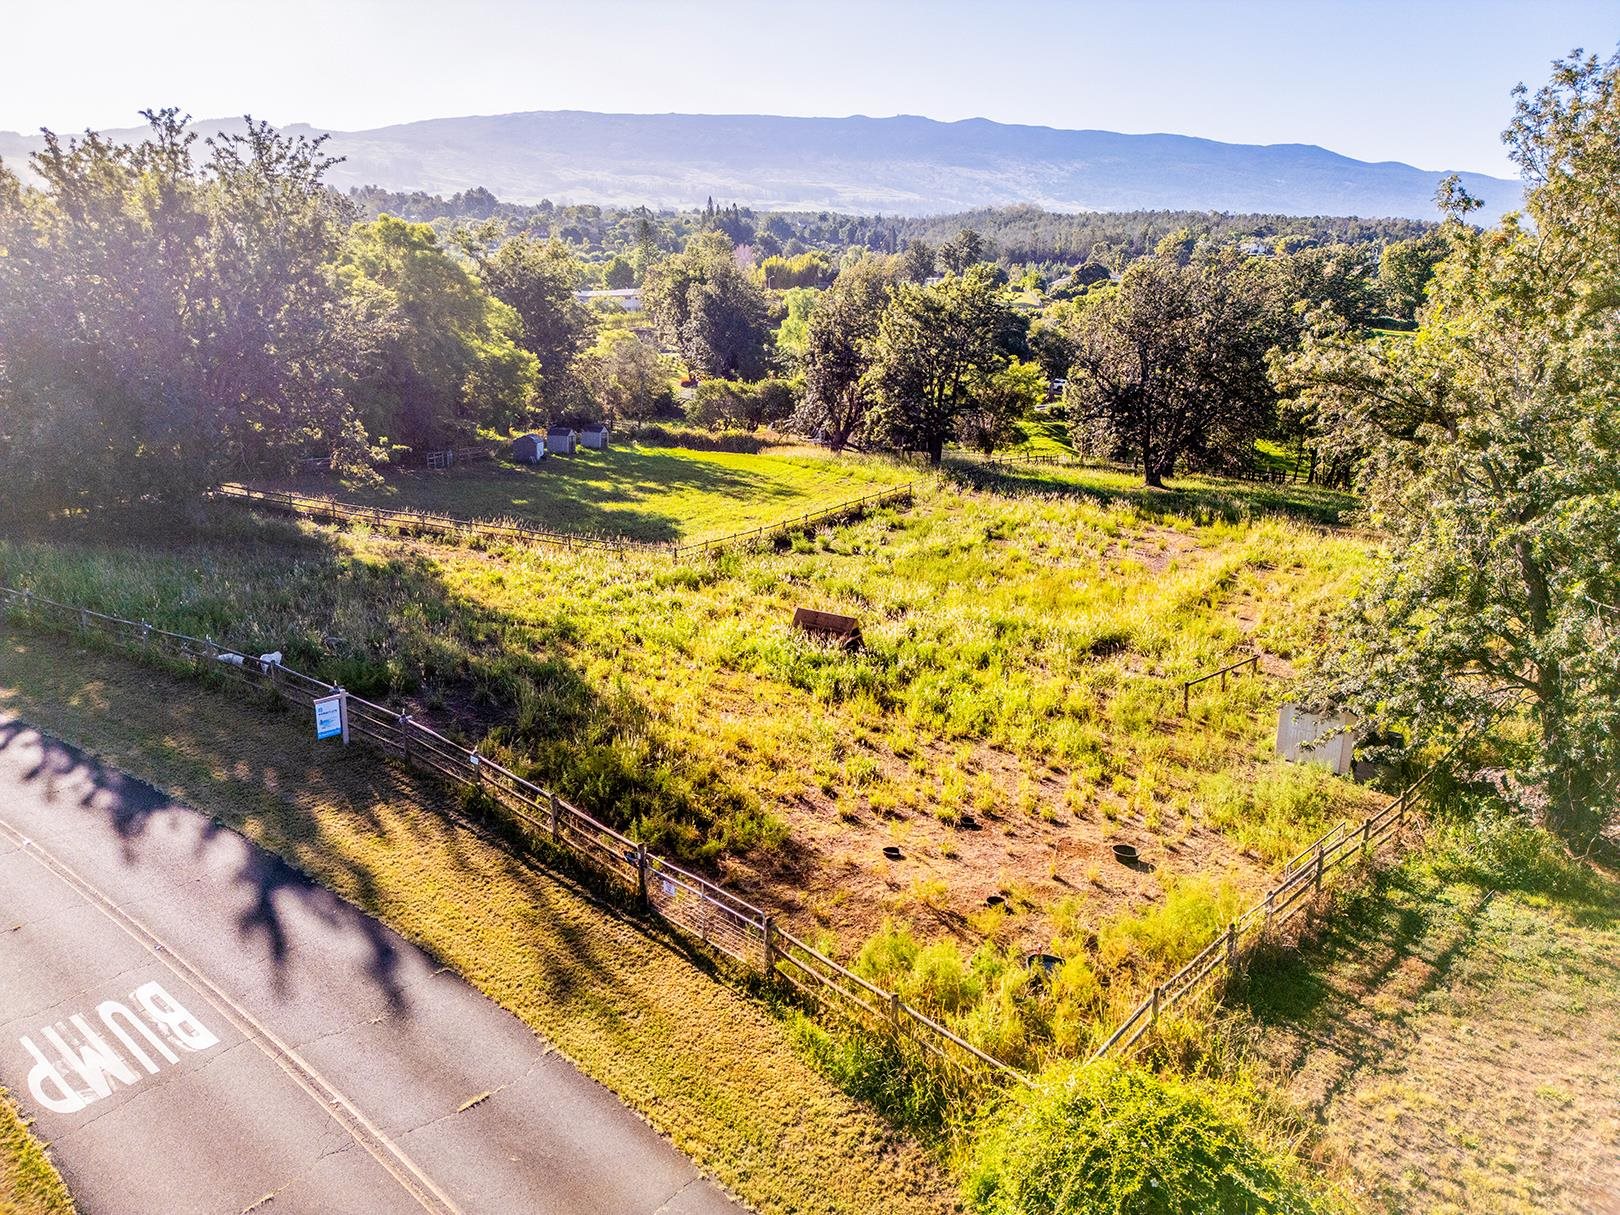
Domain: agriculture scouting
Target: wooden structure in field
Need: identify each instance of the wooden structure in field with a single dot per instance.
(1315, 738)
(829, 626)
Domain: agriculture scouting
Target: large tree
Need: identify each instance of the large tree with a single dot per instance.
(165, 319)
(450, 362)
(711, 311)
(538, 279)
(935, 345)
(1492, 441)
(1173, 360)
(838, 386)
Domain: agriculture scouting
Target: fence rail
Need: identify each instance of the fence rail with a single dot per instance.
(332, 510)
(843, 510)
(1253, 660)
(697, 908)
(1302, 878)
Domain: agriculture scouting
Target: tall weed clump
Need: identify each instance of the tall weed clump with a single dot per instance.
(1110, 1140)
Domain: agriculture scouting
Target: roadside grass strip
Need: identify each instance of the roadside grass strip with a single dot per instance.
(29, 1182)
(700, 1060)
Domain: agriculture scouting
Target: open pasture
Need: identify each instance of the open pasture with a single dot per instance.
(647, 494)
(1015, 709)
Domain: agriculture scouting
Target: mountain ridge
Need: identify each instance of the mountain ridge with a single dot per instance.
(903, 164)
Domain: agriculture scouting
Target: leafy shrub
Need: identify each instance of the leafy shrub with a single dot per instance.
(1107, 1140)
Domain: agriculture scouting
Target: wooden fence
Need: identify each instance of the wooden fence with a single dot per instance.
(1253, 660)
(331, 510)
(1301, 879)
(697, 908)
(844, 510)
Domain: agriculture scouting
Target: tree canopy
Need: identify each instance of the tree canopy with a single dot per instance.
(448, 360)
(166, 319)
(1173, 361)
(704, 304)
(1492, 459)
(934, 347)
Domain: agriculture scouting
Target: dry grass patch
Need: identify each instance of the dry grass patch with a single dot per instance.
(1457, 1036)
(29, 1182)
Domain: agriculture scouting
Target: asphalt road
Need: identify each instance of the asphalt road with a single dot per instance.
(197, 1028)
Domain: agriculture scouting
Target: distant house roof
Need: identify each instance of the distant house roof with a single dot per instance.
(595, 428)
(608, 293)
(560, 431)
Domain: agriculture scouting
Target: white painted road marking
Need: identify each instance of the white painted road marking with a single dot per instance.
(405, 1171)
(80, 1050)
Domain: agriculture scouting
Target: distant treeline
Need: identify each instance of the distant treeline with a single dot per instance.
(1020, 235)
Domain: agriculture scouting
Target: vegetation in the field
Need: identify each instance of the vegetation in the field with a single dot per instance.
(1452, 1028)
(1020, 667)
(1106, 1140)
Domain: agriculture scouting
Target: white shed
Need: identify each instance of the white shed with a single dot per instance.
(561, 440)
(595, 436)
(1306, 738)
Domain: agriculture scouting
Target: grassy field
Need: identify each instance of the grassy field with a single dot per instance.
(704, 1064)
(643, 493)
(1456, 1036)
(29, 1184)
(1015, 710)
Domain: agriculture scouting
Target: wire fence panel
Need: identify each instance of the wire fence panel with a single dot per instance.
(1301, 879)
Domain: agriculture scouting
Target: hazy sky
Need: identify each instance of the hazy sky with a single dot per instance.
(1423, 81)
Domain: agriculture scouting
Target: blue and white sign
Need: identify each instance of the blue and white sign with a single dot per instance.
(329, 717)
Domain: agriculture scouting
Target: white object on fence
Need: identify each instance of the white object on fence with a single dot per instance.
(272, 659)
(1316, 738)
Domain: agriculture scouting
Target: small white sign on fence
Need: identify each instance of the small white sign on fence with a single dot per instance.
(332, 717)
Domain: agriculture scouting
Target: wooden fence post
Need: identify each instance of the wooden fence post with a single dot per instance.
(554, 809)
(1156, 994)
(641, 873)
(894, 1009)
(1231, 946)
(769, 933)
(1319, 864)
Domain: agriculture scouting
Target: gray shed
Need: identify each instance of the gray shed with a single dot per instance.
(528, 449)
(595, 436)
(561, 440)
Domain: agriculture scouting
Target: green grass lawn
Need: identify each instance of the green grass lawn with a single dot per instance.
(1196, 497)
(29, 1183)
(654, 494)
